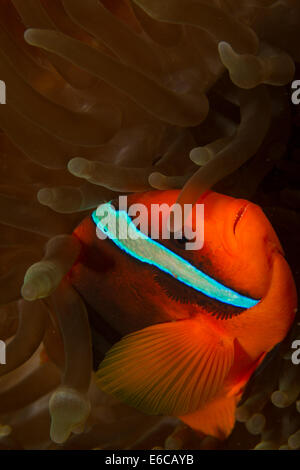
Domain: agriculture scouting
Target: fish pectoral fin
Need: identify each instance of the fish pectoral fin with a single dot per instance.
(169, 369)
(215, 419)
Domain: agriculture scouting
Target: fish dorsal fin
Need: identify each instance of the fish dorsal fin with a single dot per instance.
(169, 368)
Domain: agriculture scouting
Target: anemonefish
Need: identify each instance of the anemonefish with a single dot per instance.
(180, 332)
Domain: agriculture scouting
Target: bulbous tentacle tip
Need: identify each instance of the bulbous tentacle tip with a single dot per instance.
(28, 35)
(162, 182)
(245, 70)
(158, 181)
(266, 445)
(43, 277)
(200, 155)
(79, 167)
(69, 410)
(256, 424)
(242, 414)
(280, 399)
(39, 282)
(45, 196)
(228, 56)
(294, 440)
(5, 430)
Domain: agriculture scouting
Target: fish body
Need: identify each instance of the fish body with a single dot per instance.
(185, 329)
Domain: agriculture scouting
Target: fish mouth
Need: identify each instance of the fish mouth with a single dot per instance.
(239, 215)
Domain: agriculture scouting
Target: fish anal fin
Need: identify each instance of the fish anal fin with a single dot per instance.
(241, 371)
(167, 369)
(216, 418)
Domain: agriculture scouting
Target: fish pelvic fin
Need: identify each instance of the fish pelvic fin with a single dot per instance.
(216, 418)
(167, 369)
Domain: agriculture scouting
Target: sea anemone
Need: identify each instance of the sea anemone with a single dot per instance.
(116, 96)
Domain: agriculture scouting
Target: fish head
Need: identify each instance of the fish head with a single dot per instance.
(231, 270)
(239, 243)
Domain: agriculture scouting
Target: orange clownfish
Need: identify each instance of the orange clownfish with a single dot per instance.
(179, 332)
